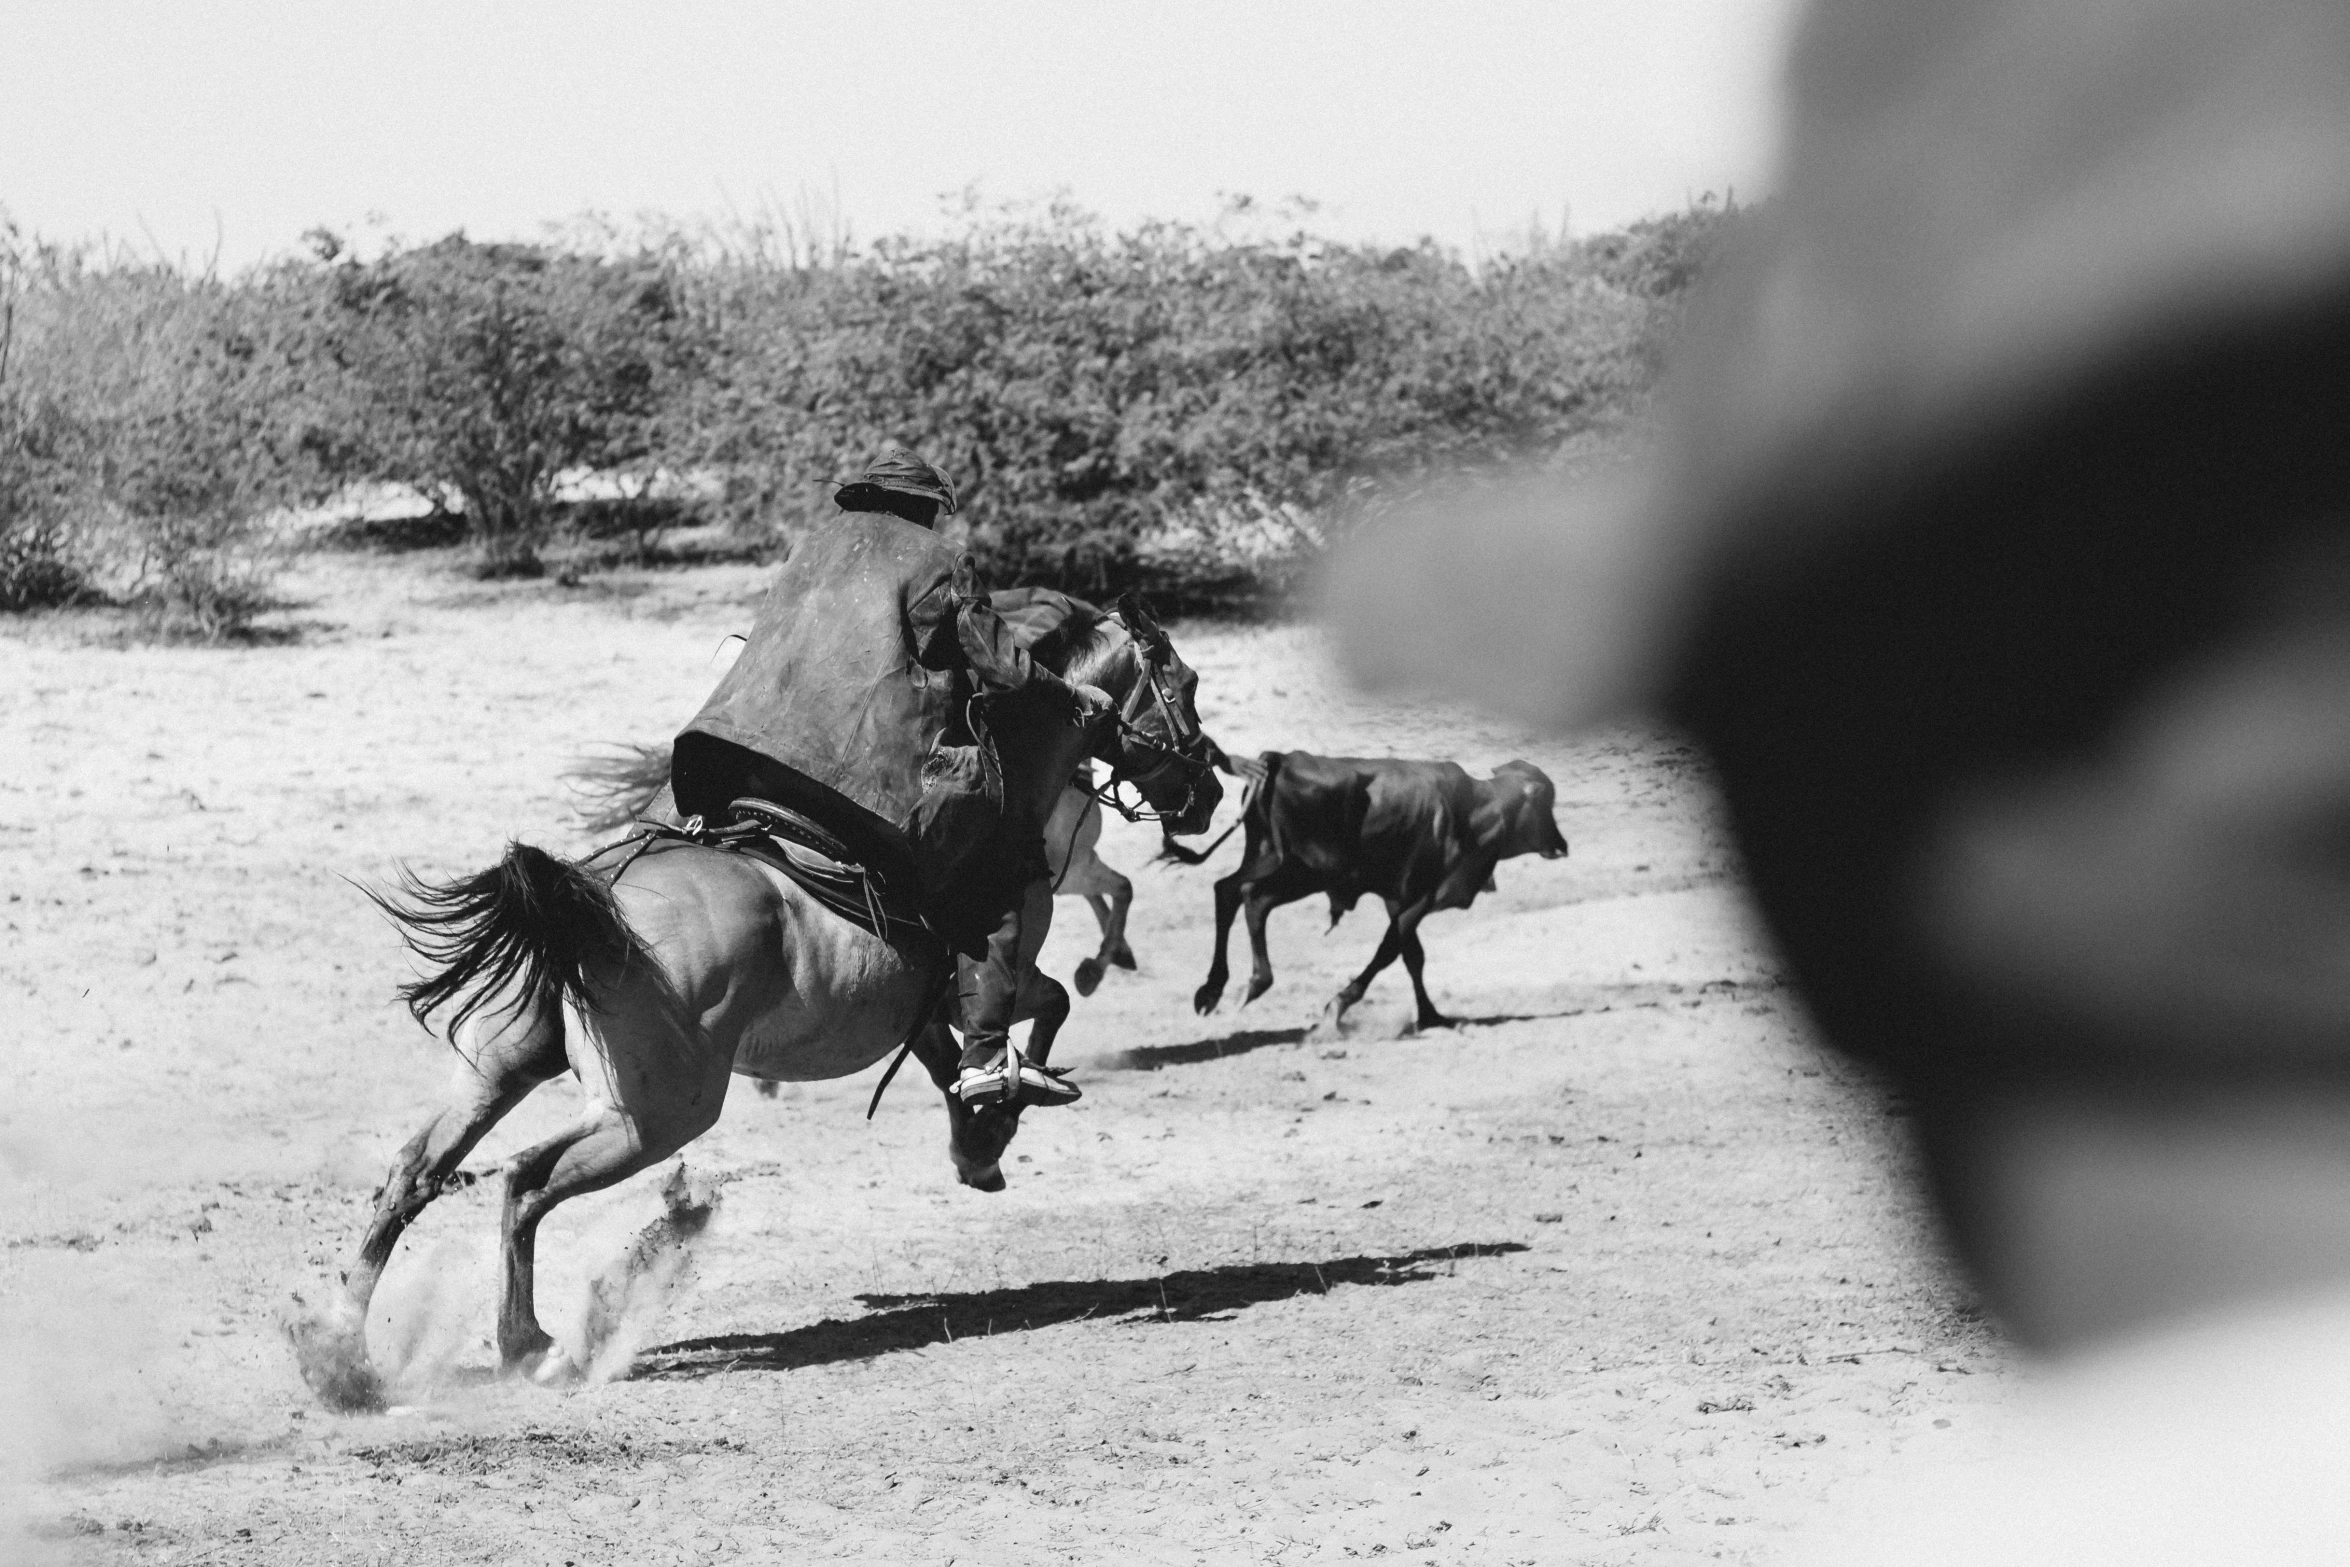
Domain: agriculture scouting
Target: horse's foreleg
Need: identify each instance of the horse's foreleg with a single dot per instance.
(1110, 896)
(1045, 1004)
(1121, 899)
(971, 1135)
(1090, 970)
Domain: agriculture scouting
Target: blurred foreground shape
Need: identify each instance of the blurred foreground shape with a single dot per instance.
(1993, 545)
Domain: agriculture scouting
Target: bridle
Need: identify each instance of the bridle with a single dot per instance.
(1190, 750)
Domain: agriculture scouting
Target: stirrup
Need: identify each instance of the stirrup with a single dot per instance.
(1046, 1086)
(985, 1085)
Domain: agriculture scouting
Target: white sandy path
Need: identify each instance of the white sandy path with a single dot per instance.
(1709, 1213)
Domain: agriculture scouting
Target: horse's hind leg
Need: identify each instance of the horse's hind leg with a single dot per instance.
(655, 1083)
(508, 1060)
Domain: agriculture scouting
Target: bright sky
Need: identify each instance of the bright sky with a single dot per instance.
(191, 124)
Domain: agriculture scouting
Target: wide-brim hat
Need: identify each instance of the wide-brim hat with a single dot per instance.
(1986, 208)
(897, 471)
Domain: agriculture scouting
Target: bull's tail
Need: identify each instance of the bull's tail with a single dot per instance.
(616, 790)
(531, 926)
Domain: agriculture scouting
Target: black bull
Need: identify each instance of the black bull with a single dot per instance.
(1422, 836)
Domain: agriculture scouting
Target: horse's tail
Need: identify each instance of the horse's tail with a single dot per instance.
(531, 926)
(616, 790)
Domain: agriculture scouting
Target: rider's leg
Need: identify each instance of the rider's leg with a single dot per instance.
(988, 994)
(986, 989)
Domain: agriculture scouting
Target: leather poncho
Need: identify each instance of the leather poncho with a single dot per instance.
(849, 683)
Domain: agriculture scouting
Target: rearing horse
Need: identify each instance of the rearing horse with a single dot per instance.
(656, 984)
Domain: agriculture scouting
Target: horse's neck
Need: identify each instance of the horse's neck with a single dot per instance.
(1041, 749)
(1043, 767)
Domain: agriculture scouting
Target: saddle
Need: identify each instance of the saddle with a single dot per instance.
(815, 860)
(826, 870)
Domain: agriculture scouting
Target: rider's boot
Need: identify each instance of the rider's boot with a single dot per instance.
(992, 1072)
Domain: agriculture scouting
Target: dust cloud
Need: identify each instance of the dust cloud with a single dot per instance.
(75, 1364)
(629, 1294)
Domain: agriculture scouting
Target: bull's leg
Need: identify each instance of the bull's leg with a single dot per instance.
(508, 1058)
(1228, 896)
(1408, 938)
(1389, 945)
(1260, 969)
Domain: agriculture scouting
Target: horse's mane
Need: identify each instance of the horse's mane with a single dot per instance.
(1070, 637)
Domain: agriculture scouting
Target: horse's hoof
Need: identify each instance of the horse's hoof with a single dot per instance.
(1204, 999)
(330, 1347)
(1429, 1020)
(1088, 977)
(1331, 1024)
(1258, 984)
(990, 1179)
(549, 1367)
(1123, 958)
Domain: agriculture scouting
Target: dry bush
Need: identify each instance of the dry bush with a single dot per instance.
(151, 422)
(39, 564)
(485, 371)
(1168, 407)
(1164, 405)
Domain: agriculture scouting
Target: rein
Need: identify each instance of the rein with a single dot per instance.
(1186, 752)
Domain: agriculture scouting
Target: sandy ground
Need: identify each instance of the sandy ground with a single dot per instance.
(1621, 1270)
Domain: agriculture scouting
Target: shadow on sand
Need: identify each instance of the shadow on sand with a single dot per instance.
(917, 1321)
(1150, 1058)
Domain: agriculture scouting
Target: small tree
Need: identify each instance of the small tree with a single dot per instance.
(149, 423)
(38, 564)
(485, 371)
(37, 469)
